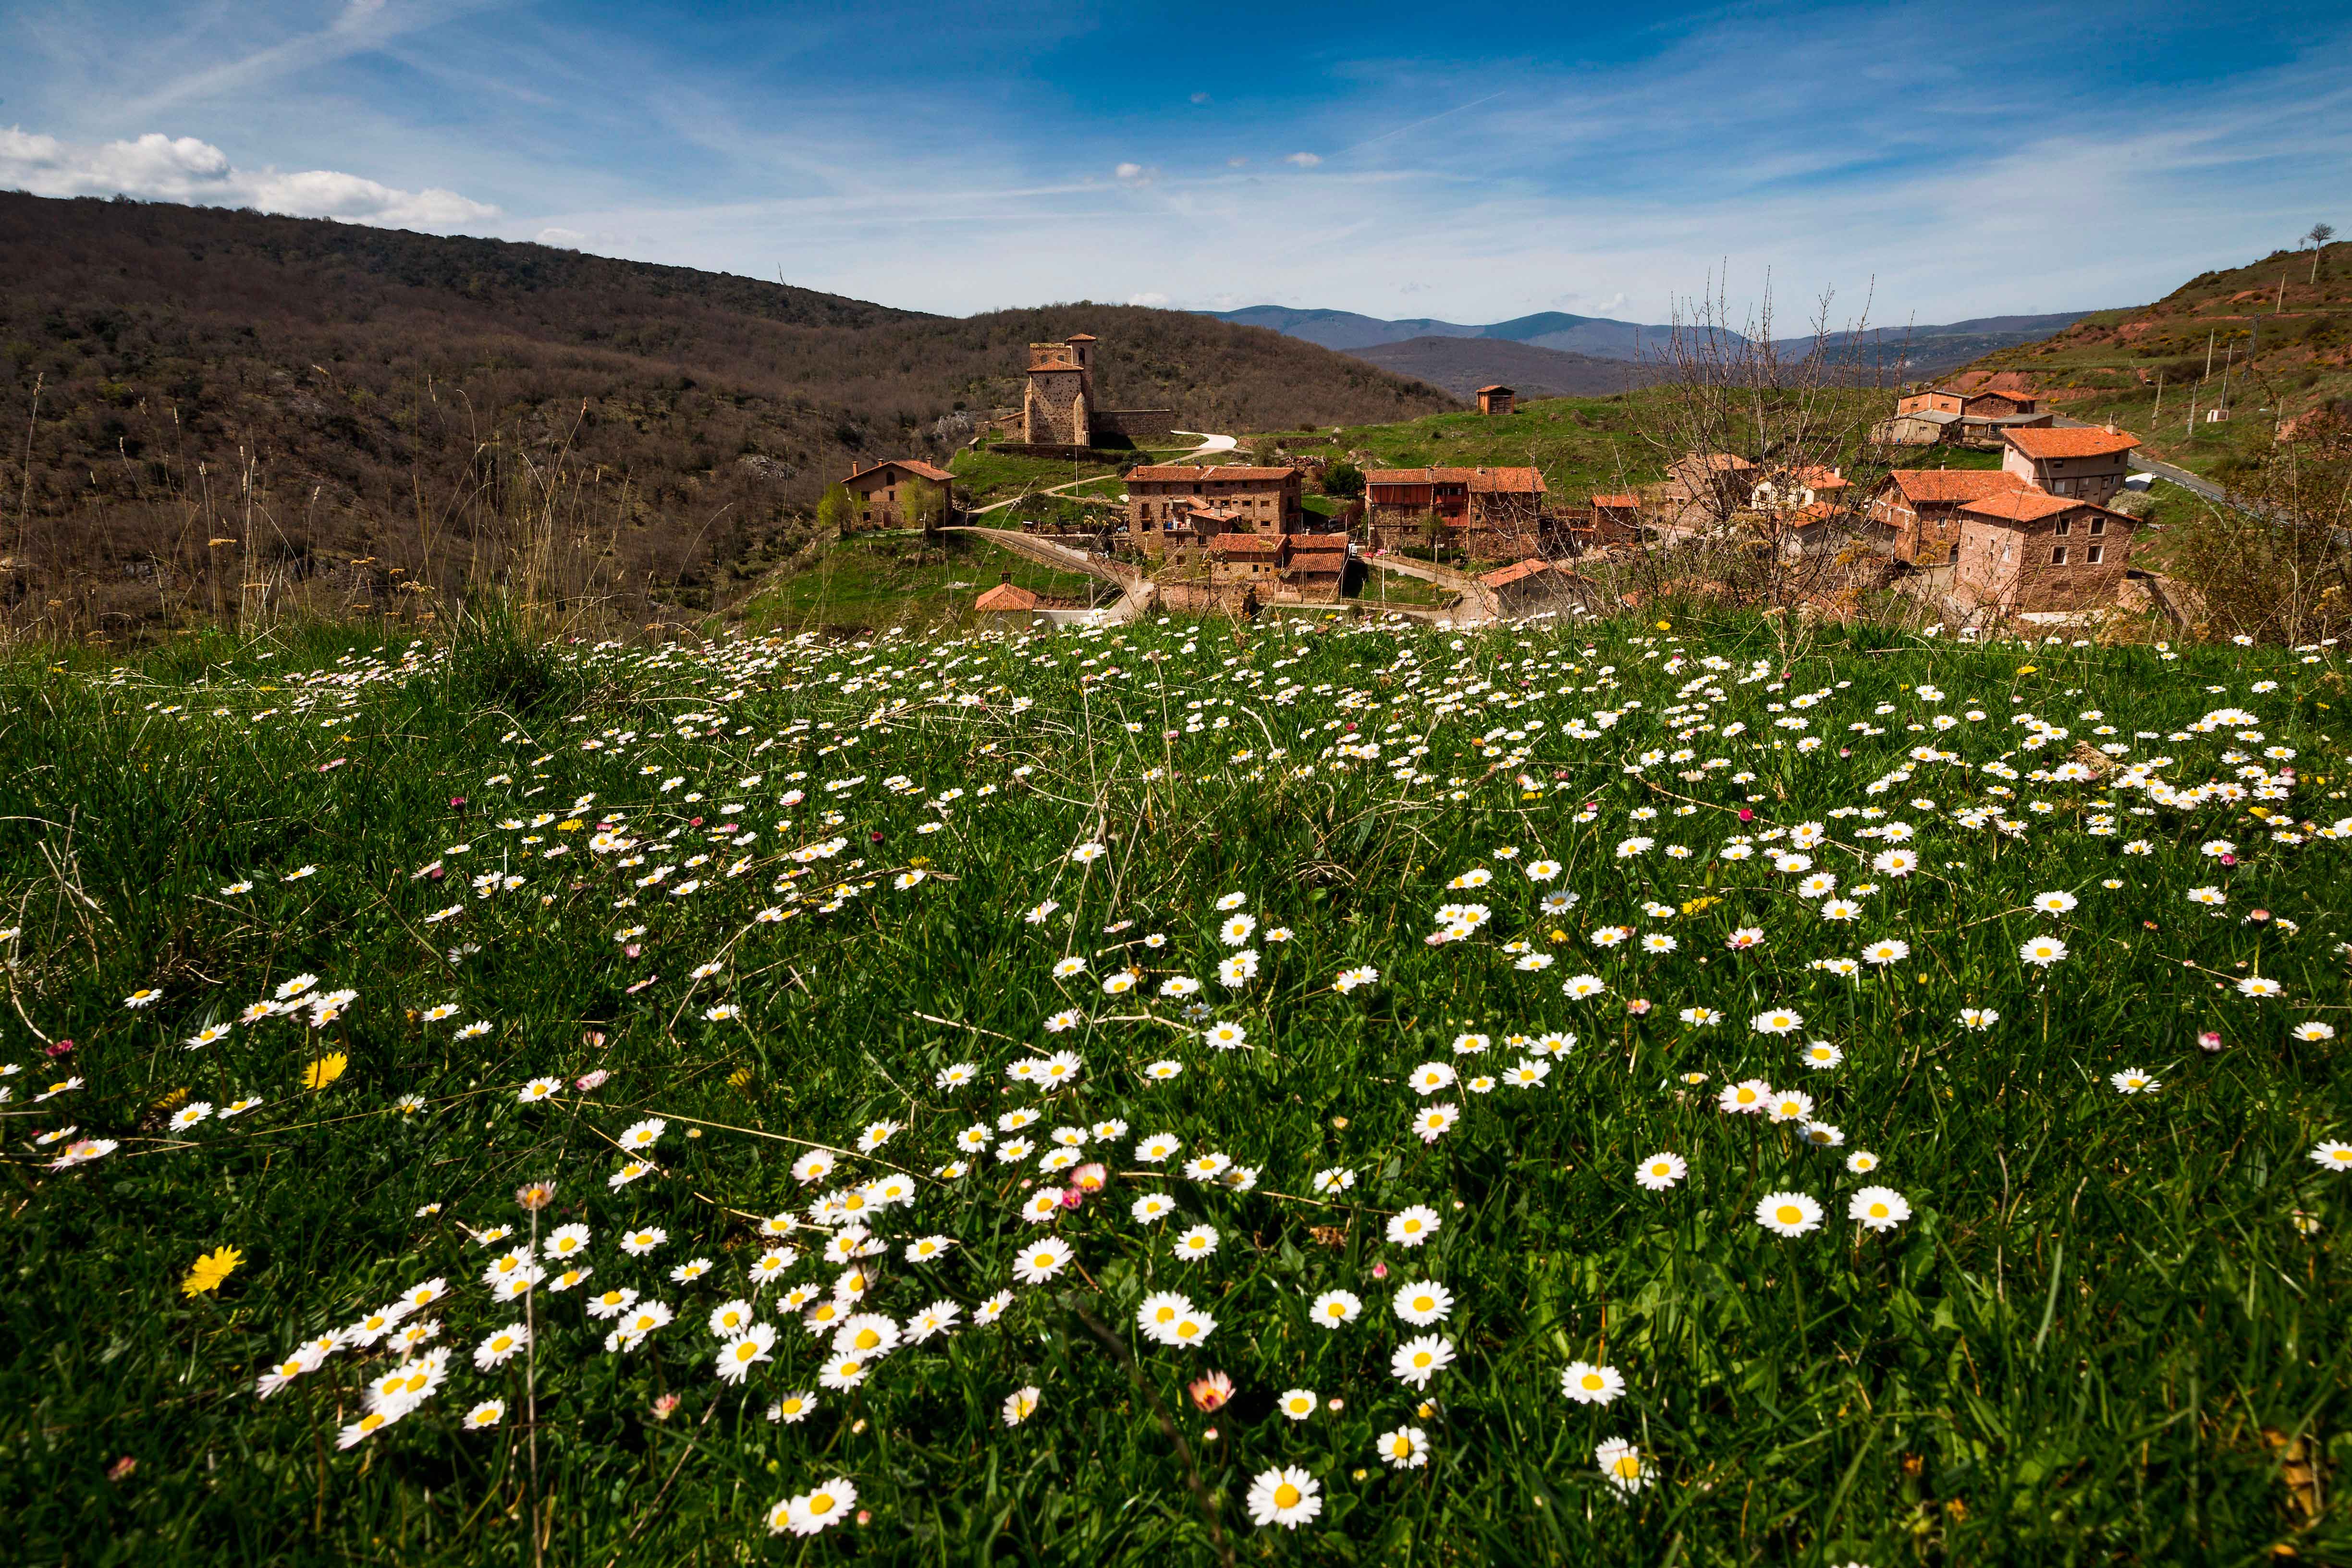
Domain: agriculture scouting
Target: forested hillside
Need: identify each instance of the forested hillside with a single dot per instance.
(205, 405)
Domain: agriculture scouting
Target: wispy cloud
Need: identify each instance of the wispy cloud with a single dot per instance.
(182, 168)
(2062, 158)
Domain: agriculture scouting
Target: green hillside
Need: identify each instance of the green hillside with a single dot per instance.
(2270, 341)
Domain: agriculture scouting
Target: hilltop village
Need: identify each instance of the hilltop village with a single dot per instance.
(1973, 501)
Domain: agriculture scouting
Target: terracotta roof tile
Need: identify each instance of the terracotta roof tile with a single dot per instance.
(2025, 506)
(1618, 503)
(1005, 596)
(1189, 475)
(2045, 444)
(1950, 485)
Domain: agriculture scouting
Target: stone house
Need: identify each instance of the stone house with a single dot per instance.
(1497, 399)
(1489, 512)
(1058, 406)
(1238, 558)
(880, 490)
(1166, 500)
(1981, 405)
(1317, 567)
(1918, 509)
(1526, 587)
(2086, 462)
(2024, 551)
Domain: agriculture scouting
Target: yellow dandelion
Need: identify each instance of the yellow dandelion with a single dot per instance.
(210, 1269)
(325, 1071)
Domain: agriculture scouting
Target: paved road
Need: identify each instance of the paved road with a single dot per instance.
(2167, 471)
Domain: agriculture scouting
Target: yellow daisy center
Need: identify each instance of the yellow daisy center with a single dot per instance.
(1286, 1495)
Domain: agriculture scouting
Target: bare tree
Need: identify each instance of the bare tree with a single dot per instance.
(2274, 561)
(2317, 239)
(1768, 460)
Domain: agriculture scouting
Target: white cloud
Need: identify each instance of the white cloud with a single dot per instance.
(157, 167)
(1304, 160)
(562, 239)
(1147, 299)
(1131, 172)
(1200, 98)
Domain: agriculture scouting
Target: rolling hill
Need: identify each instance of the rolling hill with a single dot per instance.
(2268, 342)
(351, 410)
(1462, 366)
(1901, 353)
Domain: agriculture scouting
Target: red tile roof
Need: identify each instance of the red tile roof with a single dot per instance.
(920, 469)
(1618, 503)
(2025, 506)
(2043, 444)
(1950, 485)
(1245, 545)
(1197, 476)
(1005, 596)
(1319, 544)
(1515, 573)
(1498, 386)
(1512, 482)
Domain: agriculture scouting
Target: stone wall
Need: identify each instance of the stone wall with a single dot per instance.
(1137, 424)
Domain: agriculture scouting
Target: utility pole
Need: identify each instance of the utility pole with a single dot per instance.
(2159, 399)
(2208, 355)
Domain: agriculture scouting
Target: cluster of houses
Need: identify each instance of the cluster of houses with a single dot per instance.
(2037, 534)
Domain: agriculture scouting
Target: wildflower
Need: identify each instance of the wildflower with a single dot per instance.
(1788, 1214)
(793, 1408)
(1422, 1358)
(1620, 1462)
(1979, 1018)
(1433, 1121)
(207, 1272)
(486, 1414)
(325, 1071)
(1661, 1171)
(1406, 1448)
(2043, 951)
(813, 1511)
(1412, 1227)
(2134, 1080)
(1423, 1304)
(1196, 1243)
(739, 1354)
(1021, 1404)
(1878, 1208)
(1041, 1260)
(2256, 985)
(1589, 1385)
(1210, 1393)
(1335, 1309)
(1287, 1497)
(501, 1347)
(1776, 1021)
(2332, 1155)
(1297, 1404)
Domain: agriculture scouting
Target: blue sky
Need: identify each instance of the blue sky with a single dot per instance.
(1463, 162)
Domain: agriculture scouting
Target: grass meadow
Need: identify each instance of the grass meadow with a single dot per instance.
(1685, 1093)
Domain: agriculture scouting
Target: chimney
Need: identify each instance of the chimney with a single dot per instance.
(1005, 578)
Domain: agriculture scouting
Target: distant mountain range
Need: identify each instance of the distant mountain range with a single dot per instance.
(1463, 365)
(1557, 353)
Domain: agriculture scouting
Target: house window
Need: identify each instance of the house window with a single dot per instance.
(2098, 553)
(2098, 526)
(2066, 526)
(2057, 556)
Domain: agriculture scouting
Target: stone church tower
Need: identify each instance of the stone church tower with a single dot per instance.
(1058, 408)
